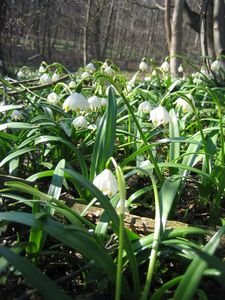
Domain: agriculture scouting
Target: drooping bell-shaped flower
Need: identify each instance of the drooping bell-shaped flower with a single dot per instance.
(184, 105)
(218, 66)
(76, 102)
(165, 67)
(55, 77)
(85, 74)
(72, 84)
(20, 74)
(94, 103)
(180, 69)
(143, 66)
(108, 70)
(16, 115)
(53, 98)
(106, 182)
(90, 67)
(144, 107)
(104, 102)
(80, 122)
(160, 115)
(45, 79)
(41, 69)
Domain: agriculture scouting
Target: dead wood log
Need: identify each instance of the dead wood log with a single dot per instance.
(138, 224)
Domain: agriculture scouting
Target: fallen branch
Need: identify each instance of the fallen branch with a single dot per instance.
(140, 225)
(36, 87)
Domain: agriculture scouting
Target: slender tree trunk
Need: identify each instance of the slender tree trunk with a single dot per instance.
(168, 22)
(219, 26)
(108, 27)
(210, 39)
(203, 30)
(176, 36)
(2, 23)
(85, 54)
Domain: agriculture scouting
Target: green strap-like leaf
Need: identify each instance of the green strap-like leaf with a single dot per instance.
(16, 154)
(194, 273)
(105, 139)
(42, 283)
(75, 236)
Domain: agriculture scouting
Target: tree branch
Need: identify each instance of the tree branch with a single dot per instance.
(146, 4)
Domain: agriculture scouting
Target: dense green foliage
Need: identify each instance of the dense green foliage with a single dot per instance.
(162, 139)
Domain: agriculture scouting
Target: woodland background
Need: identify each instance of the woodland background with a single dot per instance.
(73, 32)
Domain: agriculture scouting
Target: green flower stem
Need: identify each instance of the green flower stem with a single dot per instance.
(155, 244)
(123, 238)
(122, 193)
(120, 259)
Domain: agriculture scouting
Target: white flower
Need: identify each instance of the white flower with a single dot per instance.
(104, 102)
(55, 77)
(41, 69)
(154, 73)
(106, 182)
(90, 67)
(108, 70)
(180, 69)
(197, 80)
(80, 122)
(20, 74)
(184, 105)
(76, 102)
(129, 86)
(94, 102)
(17, 115)
(146, 165)
(105, 65)
(53, 98)
(85, 74)
(72, 84)
(147, 78)
(165, 67)
(45, 79)
(144, 107)
(160, 115)
(143, 66)
(218, 66)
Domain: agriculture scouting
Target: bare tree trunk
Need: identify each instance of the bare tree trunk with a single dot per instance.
(203, 31)
(86, 33)
(168, 22)
(210, 39)
(2, 23)
(176, 36)
(108, 27)
(219, 26)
